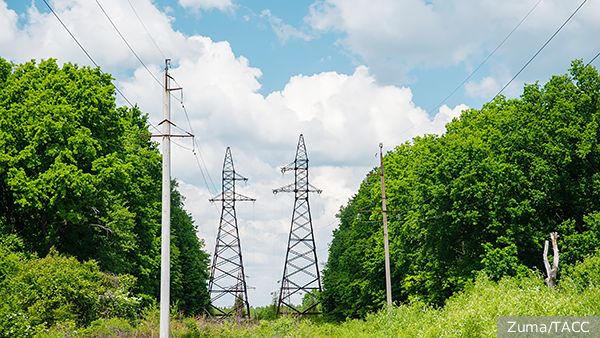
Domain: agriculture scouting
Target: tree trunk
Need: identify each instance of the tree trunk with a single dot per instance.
(551, 272)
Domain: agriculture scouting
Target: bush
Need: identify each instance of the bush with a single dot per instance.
(39, 293)
(585, 273)
(117, 300)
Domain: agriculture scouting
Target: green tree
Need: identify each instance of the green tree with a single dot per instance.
(76, 176)
(189, 267)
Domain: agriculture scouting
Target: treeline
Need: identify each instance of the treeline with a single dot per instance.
(76, 180)
(483, 196)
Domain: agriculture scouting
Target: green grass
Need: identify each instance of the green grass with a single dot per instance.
(471, 313)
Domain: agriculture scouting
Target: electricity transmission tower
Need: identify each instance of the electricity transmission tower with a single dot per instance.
(301, 270)
(227, 278)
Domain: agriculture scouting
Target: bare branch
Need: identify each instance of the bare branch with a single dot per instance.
(101, 227)
(551, 272)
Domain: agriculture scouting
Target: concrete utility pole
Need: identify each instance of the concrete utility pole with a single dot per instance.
(165, 249)
(165, 245)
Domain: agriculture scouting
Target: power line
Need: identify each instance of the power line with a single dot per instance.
(135, 54)
(594, 58)
(489, 56)
(194, 144)
(472, 73)
(83, 49)
(525, 121)
(140, 20)
(123, 95)
(128, 45)
(536, 54)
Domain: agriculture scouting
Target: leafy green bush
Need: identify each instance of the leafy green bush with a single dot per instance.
(586, 273)
(117, 301)
(39, 293)
(470, 313)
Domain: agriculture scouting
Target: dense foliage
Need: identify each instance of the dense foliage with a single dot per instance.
(76, 176)
(471, 313)
(38, 293)
(482, 196)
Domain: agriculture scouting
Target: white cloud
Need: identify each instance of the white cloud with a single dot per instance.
(394, 37)
(284, 31)
(222, 5)
(486, 88)
(9, 20)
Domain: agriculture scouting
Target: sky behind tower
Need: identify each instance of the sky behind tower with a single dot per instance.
(256, 74)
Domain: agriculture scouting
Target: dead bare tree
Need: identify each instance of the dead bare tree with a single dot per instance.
(551, 272)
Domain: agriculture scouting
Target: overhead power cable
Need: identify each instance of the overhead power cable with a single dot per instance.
(526, 120)
(470, 75)
(83, 49)
(140, 20)
(194, 144)
(541, 48)
(128, 45)
(121, 93)
(486, 59)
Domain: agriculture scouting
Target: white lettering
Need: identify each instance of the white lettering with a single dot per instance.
(513, 325)
(583, 323)
(573, 326)
(565, 327)
(533, 327)
(543, 328)
(555, 326)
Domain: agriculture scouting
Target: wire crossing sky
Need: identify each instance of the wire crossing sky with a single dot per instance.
(257, 74)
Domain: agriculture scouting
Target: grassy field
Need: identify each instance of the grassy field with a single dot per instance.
(471, 313)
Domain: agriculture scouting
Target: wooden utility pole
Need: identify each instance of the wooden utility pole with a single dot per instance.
(388, 278)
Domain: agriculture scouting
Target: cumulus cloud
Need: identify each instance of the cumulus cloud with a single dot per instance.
(485, 88)
(7, 24)
(394, 37)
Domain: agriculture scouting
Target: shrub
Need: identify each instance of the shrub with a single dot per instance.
(585, 273)
(39, 293)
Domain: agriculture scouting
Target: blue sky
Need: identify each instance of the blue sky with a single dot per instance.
(250, 34)
(347, 74)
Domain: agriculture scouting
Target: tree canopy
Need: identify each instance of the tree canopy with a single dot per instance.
(483, 196)
(76, 176)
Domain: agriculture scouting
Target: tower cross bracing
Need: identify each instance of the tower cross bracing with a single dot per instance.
(301, 271)
(227, 283)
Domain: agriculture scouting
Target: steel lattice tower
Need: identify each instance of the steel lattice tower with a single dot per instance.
(227, 276)
(301, 270)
